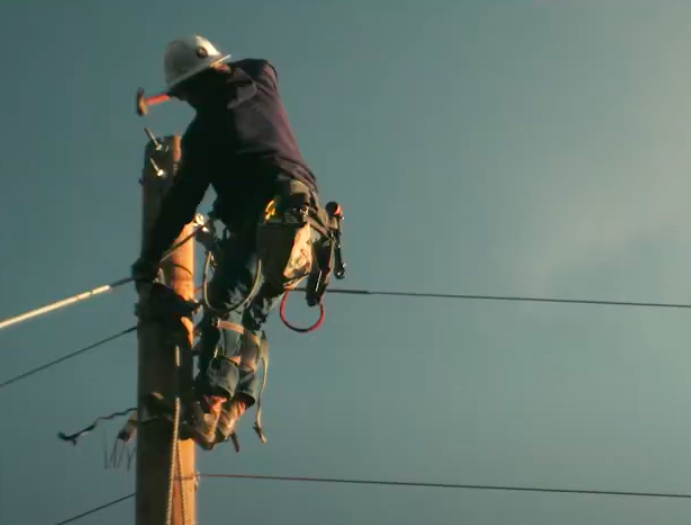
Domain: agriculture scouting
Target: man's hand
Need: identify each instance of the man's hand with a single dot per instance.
(144, 272)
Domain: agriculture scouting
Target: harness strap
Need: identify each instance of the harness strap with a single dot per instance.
(264, 357)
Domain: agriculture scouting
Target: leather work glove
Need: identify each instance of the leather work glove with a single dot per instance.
(144, 272)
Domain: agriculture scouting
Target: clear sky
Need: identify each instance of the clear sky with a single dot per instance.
(494, 147)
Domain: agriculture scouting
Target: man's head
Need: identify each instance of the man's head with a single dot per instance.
(187, 59)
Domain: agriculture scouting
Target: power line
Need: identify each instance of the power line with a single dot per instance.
(450, 486)
(414, 295)
(96, 509)
(456, 486)
(67, 357)
(514, 298)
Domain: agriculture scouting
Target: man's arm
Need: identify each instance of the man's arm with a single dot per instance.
(179, 203)
(177, 209)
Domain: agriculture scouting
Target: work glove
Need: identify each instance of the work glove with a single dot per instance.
(144, 272)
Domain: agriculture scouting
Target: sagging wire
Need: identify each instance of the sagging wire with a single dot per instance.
(389, 293)
(118, 453)
(72, 355)
(73, 438)
(451, 486)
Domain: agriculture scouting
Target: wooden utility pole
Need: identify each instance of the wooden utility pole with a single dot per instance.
(157, 370)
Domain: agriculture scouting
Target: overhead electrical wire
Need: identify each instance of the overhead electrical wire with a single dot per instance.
(414, 295)
(67, 357)
(105, 288)
(457, 486)
(96, 509)
(504, 298)
(454, 486)
(514, 298)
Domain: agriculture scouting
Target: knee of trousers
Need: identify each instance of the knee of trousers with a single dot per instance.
(248, 386)
(221, 376)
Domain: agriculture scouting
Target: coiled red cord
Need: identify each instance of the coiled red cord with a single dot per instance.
(295, 328)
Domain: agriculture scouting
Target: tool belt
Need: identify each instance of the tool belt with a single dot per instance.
(298, 239)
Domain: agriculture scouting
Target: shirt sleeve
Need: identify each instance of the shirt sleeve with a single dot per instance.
(182, 199)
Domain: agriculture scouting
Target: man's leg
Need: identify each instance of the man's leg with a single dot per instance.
(220, 346)
(247, 389)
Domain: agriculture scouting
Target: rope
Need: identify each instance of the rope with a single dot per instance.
(183, 500)
(90, 293)
(174, 445)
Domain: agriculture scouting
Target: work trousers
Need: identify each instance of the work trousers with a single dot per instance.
(228, 353)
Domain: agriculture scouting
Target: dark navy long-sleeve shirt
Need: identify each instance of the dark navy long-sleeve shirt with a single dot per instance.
(238, 143)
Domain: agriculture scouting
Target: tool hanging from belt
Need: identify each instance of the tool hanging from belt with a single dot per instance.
(299, 239)
(329, 259)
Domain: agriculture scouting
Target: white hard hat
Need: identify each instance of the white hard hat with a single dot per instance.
(185, 57)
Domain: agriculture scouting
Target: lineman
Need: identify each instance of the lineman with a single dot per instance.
(241, 144)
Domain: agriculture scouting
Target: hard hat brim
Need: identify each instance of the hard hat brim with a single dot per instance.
(192, 72)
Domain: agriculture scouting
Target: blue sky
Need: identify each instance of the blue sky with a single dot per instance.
(498, 147)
